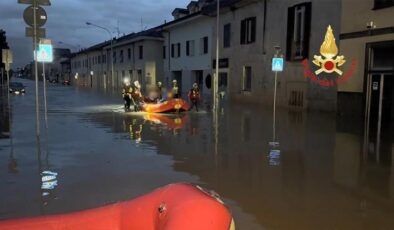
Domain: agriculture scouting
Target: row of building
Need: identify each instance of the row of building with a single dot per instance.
(185, 49)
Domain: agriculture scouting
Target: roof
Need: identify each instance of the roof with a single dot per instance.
(192, 3)
(180, 10)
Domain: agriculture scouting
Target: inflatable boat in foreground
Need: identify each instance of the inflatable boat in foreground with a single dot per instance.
(174, 207)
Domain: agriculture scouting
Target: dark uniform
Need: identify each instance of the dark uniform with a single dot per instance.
(127, 94)
(194, 96)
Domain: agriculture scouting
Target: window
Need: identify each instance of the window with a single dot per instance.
(190, 48)
(379, 4)
(140, 52)
(248, 30)
(99, 59)
(121, 56)
(204, 45)
(164, 52)
(129, 53)
(172, 50)
(178, 49)
(227, 35)
(114, 56)
(104, 58)
(298, 32)
(247, 79)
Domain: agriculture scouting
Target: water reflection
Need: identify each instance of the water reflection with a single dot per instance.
(317, 171)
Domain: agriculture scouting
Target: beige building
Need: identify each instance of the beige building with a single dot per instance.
(249, 32)
(136, 56)
(367, 37)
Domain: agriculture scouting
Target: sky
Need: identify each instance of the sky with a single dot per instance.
(67, 22)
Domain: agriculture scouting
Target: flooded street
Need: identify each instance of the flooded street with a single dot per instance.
(327, 174)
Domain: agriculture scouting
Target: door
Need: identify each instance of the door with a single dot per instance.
(380, 117)
(223, 86)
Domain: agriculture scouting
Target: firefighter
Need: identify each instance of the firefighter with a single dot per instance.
(127, 95)
(136, 96)
(194, 96)
(175, 89)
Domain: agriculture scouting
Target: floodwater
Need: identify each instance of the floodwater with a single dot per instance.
(326, 174)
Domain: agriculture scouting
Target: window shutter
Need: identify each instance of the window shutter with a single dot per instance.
(187, 48)
(307, 31)
(290, 31)
(253, 32)
(243, 31)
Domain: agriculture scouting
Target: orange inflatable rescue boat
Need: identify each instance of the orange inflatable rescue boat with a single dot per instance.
(173, 105)
(174, 207)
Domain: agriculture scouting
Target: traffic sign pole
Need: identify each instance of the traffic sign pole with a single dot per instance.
(45, 96)
(277, 66)
(36, 69)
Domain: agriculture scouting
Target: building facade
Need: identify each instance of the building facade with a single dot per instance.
(136, 56)
(251, 32)
(187, 51)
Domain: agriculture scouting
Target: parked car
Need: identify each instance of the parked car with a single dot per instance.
(66, 82)
(17, 88)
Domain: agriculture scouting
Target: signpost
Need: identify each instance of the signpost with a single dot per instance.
(277, 66)
(45, 55)
(36, 17)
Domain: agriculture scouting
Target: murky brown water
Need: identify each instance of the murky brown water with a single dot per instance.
(326, 175)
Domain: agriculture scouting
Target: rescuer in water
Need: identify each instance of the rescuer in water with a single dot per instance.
(194, 96)
(136, 96)
(127, 94)
(175, 89)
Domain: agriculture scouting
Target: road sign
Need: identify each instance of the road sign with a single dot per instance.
(40, 32)
(7, 56)
(41, 16)
(277, 64)
(45, 53)
(39, 2)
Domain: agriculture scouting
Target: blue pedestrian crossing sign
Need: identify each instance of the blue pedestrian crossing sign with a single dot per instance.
(277, 64)
(45, 53)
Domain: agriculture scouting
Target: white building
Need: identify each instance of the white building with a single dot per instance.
(187, 49)
(137, 56)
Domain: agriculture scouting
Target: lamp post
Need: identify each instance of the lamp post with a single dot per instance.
(112, 49)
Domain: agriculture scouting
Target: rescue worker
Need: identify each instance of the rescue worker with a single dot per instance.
(136, 96)
(175, 89)
(194, 96)
(159, 90)
(127, 95)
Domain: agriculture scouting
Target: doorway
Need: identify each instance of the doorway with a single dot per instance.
(379, 106)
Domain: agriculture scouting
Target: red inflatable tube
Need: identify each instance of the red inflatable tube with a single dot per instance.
(174, 207)
(172, 105)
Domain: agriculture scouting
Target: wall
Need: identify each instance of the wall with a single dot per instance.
(193, 29)
(259, 55)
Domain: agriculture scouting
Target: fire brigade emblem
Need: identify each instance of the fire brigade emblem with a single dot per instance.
(328, 61)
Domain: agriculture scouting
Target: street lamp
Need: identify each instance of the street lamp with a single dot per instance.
(112, 49)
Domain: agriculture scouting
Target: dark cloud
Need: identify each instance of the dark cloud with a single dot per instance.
(67, 18)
